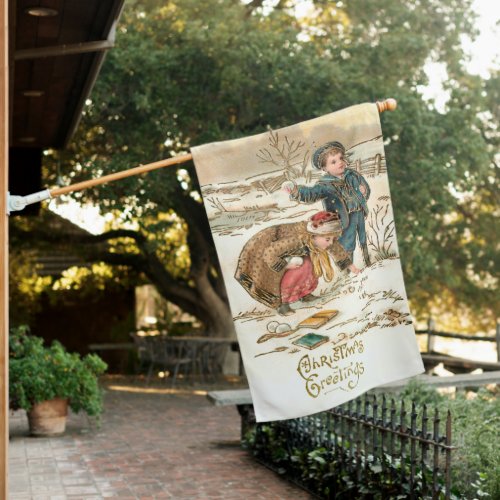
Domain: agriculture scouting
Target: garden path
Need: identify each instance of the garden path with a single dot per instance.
(153, 443)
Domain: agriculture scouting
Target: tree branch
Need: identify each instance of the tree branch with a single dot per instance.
(118, 233)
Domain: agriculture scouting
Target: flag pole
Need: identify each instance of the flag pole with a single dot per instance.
(121, 175)
(19, 202)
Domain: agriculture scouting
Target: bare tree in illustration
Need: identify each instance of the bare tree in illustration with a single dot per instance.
(287, 155)
(381, 237)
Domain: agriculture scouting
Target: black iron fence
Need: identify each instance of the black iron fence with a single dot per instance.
(367, 448)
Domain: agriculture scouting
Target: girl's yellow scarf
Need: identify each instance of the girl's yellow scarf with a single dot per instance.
(320, 259)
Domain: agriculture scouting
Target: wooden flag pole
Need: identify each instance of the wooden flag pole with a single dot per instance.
(19, 202)
(121, 175)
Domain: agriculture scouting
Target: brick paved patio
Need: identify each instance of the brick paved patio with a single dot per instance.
(150, 445)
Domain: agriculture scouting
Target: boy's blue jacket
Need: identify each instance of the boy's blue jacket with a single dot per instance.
(328, 190)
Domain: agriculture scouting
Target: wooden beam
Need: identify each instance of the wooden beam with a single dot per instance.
(458, 381)
(433, 359)
(450, 335)
(63, 50)
(4, 248)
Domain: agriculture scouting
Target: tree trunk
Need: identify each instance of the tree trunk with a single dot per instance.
(220, 322)
(203, 296)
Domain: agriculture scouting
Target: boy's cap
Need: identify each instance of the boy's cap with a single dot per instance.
(322, 149)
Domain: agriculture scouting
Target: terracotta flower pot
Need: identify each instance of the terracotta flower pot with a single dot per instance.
(48, 417)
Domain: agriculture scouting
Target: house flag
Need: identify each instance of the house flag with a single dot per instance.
(303, 225)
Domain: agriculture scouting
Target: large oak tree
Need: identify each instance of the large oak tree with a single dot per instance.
(186, 72)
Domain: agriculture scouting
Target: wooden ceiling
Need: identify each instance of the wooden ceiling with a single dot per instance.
(54, 60)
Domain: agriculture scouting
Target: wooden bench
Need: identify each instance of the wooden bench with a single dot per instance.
(242, 399)
(234, 397)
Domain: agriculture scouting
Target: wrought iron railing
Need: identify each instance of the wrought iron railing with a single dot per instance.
(367, 445)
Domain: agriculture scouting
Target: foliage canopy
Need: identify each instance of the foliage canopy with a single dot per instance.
(186, 72)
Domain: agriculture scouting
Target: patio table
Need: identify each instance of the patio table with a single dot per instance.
(206, 353)
(191, 355)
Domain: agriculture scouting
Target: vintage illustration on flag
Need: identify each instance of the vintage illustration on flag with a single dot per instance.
(303, 225)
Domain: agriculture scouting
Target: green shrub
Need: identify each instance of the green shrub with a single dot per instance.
(475, 465)
(333, 473)
(476, 434)
(38, 373)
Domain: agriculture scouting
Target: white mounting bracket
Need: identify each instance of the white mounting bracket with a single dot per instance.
(15, 203)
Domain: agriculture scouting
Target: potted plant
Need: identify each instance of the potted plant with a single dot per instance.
(45, 380)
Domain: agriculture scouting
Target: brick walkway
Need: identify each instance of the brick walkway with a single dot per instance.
(150, 445)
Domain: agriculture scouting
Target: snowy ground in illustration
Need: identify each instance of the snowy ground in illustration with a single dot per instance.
(375, 308)
(238, 210)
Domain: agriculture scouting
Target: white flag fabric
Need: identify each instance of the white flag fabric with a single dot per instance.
(303, 225)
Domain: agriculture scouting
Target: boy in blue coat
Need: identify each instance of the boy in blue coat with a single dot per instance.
(341, 190)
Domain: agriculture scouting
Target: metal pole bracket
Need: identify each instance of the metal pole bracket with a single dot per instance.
(16, 203)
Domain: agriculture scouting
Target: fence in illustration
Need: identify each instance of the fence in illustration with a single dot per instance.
(370, 166)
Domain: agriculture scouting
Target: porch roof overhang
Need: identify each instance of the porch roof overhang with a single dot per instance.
(57, 48)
